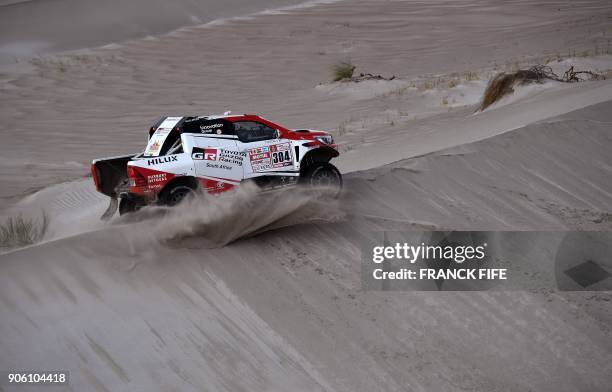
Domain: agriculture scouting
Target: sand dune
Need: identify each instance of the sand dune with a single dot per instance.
(37, 27)
(262, 313)
(268, 295)
(271, 65)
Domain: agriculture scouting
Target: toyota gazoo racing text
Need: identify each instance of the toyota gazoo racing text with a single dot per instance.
(214, 154)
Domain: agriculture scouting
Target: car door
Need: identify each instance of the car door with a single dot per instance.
(216, 157)
(264, 152)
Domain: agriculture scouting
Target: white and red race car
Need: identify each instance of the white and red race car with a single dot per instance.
(215, 154)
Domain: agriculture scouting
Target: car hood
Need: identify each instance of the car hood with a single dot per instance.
(307, 134)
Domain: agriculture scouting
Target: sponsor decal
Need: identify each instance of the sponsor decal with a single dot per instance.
(281, 155)
(218, 166)
(208, 154)
(157, 161)
(232, 157)
(281, 158)
(215, 186)
(279, 147)
(257, 157)
(227, 157)
(260, 158)
(154, 147)
(161, 177)
(259, 150)
(270, 157)
(212, 127)
(159, 137)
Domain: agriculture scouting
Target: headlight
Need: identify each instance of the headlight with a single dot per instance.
(325, 139)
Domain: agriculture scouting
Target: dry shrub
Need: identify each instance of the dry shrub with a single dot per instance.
(503, 84)
(343, 70)
(18, 232)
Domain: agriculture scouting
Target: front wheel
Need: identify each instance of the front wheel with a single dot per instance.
(323, 177)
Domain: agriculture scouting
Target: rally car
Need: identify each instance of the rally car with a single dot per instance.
(214, 154)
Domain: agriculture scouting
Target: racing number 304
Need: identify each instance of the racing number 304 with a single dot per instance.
(280, 156)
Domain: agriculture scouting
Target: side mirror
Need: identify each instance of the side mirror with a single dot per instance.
(277, 134)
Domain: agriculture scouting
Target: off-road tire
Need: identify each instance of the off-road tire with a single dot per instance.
(322, 177)
(175, 194)
(127, 206)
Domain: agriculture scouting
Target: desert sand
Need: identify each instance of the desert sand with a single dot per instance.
(264, 293)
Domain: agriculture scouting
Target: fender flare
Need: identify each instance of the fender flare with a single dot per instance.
(320, 154)
(189, 181)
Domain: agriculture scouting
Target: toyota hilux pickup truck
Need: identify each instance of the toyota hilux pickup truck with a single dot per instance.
(214, 154)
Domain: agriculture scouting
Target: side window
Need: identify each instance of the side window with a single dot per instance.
(207, 126)
(251, 131)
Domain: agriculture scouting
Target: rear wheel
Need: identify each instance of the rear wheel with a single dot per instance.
(323, 177)
(127, 206)
(175, 194)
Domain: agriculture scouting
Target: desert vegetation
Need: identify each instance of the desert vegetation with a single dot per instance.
(503, 83)
(16, 232)
(343, 70)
